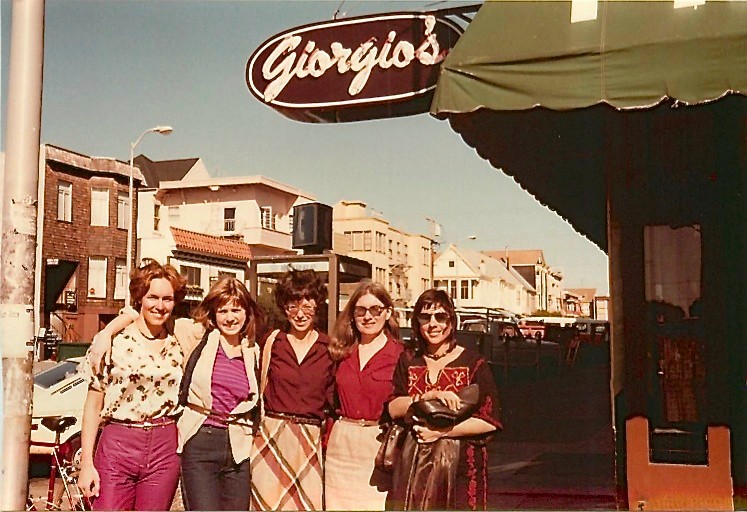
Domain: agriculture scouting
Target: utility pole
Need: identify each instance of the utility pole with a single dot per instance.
(18, 245)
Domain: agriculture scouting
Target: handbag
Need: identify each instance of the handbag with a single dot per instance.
(390, 448)
(435, 413)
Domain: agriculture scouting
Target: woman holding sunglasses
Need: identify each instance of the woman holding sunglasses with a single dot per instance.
(220, 395)
(367, 346)
(297, 386)
(442, 468)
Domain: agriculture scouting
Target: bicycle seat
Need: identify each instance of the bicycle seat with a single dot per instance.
(58, 423)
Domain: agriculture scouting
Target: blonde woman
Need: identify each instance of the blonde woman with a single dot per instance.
(367, 346)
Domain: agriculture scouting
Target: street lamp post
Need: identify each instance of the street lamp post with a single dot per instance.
(163, 130)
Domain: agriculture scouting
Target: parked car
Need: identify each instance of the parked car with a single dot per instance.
(59, 390)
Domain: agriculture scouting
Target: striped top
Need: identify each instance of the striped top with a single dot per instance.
(229, 385)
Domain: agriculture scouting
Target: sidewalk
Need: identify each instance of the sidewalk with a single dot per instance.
(556, 451)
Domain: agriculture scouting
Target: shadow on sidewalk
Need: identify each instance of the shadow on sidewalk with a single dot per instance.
(556, 451)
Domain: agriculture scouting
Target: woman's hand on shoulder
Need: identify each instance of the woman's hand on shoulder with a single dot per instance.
(99, 354)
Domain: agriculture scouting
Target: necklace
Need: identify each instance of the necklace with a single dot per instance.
(436, 357)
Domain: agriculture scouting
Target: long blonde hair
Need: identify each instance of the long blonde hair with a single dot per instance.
(346, 336)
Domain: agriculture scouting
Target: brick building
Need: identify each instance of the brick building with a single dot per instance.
(82, 234)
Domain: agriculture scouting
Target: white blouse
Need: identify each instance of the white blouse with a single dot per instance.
(140, 383)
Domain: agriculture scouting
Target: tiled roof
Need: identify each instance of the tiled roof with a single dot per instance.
(211, 245)
(521, 257)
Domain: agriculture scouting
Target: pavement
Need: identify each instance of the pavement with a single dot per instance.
(556, 451)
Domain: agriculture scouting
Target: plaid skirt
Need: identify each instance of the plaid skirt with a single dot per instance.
(287, 467)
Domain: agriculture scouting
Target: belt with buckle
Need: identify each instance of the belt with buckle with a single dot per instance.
(145, 424)
(294, 418)
(361, 422)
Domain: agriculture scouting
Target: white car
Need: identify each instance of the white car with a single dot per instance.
(59, 390)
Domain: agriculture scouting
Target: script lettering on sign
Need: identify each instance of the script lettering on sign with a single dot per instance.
(350, 69)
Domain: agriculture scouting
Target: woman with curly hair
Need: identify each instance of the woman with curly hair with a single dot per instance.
(367, 346)
(136, 397)
(442, 467)
(220, 395)
(297, 384)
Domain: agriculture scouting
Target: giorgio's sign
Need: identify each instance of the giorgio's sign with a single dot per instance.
(354, 69)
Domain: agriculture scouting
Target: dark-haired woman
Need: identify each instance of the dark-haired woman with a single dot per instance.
(442, 468)
(136, 397)
(367, 346)
(216, 426)
(297, 385)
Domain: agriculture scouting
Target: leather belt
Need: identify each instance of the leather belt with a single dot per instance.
(145, 424)
(224, 418)
(360, 423)
(294, 418)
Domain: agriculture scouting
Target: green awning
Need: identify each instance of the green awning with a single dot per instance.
(542, 99)
(519, 55)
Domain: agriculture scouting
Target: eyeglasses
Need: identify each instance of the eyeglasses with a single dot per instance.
(441, 317)
(293, 309)
(376, 311)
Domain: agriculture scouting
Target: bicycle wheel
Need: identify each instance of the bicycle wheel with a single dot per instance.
(69, 490)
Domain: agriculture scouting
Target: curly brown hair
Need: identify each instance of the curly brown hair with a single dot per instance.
(141, 278)
(346, 336)
(223, 292)
(296, 285)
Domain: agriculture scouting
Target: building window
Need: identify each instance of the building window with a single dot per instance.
(174, 215)
(290, 222)
(464, 285)
(380, 242)
(452, 288)
(123, 210)
(267, 219)
(380, 275)
(366, 240)
(156, 216)
(193, 275)
(451, 264)
(391, 243)
(229, 219)
(97, 277)
(99, 207)
(405, 253)
(424, 284)
(65, 201)
(426, 255)
(357, 240)
(120, 278)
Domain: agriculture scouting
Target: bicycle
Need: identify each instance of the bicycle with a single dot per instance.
(64, 468)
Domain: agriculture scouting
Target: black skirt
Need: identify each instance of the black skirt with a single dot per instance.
(448, 474)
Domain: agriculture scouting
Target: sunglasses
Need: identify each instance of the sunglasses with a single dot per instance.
(376, 311)
(441, 317)
(293, 309)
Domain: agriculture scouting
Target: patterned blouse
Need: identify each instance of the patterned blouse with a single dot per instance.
(139, 384)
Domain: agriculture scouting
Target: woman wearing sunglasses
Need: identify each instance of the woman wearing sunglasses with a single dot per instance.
(297, 386)
(442, 468)
(219, 398)
(367, 346)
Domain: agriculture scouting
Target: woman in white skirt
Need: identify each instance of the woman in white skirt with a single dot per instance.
(367, 346)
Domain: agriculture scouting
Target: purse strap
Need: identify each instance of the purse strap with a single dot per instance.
(190, 368)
